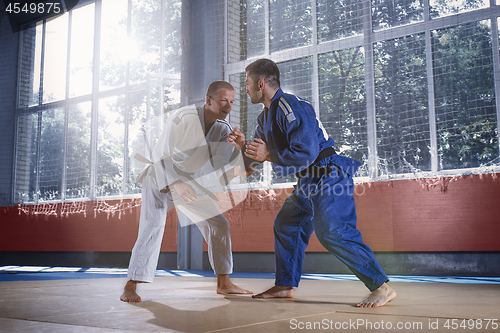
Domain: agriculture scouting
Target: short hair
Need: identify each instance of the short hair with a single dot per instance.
(216, 86)
(265, 69)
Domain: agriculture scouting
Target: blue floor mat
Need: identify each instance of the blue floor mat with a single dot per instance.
(35, 273)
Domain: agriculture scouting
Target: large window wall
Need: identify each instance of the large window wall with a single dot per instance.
(88, 80)
(408, 87)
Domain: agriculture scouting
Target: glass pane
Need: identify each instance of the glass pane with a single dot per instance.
(290, 24)
(465, 96)
(339, 19)
(110, 146)
(78, 151)
(137, 138)
(56, 49)
(115, 46)
(172, 94)
(144, 47)
(440, 8)
(82, 51)
(342, 101)
(403, 137)
(26, 158)
(295, 78)
(51, 155)
(173, 34)
(393, 13)
(246, 26)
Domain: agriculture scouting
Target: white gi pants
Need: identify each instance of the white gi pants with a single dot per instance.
(203, 212)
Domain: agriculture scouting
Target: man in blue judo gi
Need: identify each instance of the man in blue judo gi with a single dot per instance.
(290, 136)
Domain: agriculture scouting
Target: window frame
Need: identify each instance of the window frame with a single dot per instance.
(152, 81)
(367, 40)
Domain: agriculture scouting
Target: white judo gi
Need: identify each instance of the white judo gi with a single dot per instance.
(183, 152)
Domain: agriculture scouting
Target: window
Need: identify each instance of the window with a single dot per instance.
(342, 101)
(466, 114)
(88, 80)
(398, 85)
(403, 132)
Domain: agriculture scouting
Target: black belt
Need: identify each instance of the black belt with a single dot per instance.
(189, 176)
(317, 171)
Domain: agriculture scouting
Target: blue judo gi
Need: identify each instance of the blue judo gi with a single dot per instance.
(321, 201)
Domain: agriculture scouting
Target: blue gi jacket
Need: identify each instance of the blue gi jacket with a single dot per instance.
(292, 133)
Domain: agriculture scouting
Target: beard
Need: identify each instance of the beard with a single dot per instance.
(256, 98)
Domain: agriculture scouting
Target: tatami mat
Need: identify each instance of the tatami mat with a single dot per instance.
(50, 299)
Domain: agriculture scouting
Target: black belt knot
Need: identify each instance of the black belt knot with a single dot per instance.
(317, 171)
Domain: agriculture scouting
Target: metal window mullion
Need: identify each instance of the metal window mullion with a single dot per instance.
(370, 91)
(126, 119)
(267, 28)
(68, 53)
(315, 85)
(42, 63)
(64, 183)
(127, 95)
(38, 154)
(225, 57)
(129, 35)
(430, 92)
(39, 120)
(162, 43)
(496, 69)
(127, 103)
(14, 186)
(315, 74)
(94, 129)
(267, 168)
(148, 116)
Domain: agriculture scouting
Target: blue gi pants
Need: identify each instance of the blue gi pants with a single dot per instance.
(323, 204)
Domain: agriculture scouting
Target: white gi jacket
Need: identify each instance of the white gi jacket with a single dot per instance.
(183, 152)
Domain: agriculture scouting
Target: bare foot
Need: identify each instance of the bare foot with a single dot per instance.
(233, 289)
(379, 297)
(276, 292)
(129, 294)
(225, 286)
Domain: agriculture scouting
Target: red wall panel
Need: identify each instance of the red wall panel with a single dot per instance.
(49, 228)
(444, 214)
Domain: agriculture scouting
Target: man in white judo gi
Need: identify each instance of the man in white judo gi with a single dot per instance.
(192, 139)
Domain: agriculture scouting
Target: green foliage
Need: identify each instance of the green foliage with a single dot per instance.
(290, 24)
(401, 98)
(339, 19)
(465, 95)
(391, 13)
(65, 134)
(342, 100)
